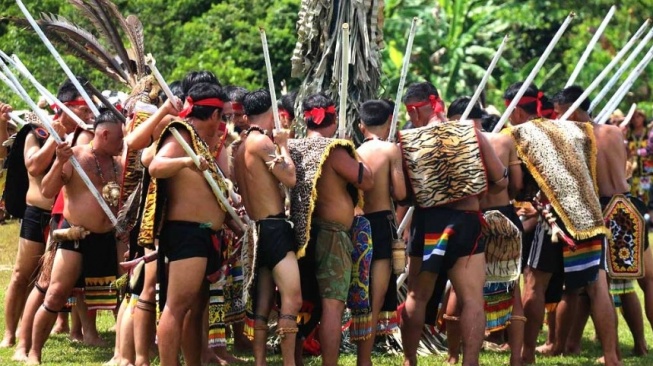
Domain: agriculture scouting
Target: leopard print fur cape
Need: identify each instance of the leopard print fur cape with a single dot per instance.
(155, 199)
(443, 162)
(309, 154)
(561, 157)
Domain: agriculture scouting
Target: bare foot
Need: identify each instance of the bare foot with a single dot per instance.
(242, 343)
(452, 359)
(210, 358)
(20, 355)
(410, 361)
(94, 340)
(545, 348)
(640, 350)
(34, 358)
(60, 329)
(516, 361)
(528, 359)
(8, 341)
(76, 337)
(114, 361)
(601, 360)
(225, 357)
(575, 350)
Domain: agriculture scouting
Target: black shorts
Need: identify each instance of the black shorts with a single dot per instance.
(384, 232)
(183, 239)
(35, 224)
(442, 235)
(275, 239)
(99, 267)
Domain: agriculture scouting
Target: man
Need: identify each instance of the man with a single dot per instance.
(5, 109)
(233, 108)
(287, 110)
(188, 237)
(423, 104)
(33, 155)
(384, 160)
(446, 225)
(259, 170)
(529, 106)
(322, 204)
(499, 296)
(93, 254)
(579, 258)
(612, 181)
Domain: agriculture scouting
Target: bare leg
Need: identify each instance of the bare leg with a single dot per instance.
(565, 315)
(144, 316)
(454, 336)
(241, 342)
(420, 289)
(572, 346)
(126, 346)
(380, 277)
(604, 318)
(27, 261)
(468, 277)
(65, 271)
(535, 283)
(264, 295)
(646, 285)
(191, 342)
(516, 328)
(330, 330)
(34, 301)
(184, 286)
(76, 316)
(632, 312)
(286, 276)
(61, 325)
(88, 318)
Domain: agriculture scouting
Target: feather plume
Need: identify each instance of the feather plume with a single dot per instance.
(103, 9)
(128, 214)
(134, 29)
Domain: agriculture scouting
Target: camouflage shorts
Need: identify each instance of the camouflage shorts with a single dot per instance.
(333, 248)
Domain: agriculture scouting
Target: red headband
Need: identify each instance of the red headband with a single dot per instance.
(209, 102)
(434, 101)
(284, 113)
(529, 100)
(72, 103)
(318, 114)
(237, 107)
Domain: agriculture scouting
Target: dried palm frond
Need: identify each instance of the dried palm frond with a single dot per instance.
(317, 54)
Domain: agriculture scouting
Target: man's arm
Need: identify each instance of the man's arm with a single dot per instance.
(496, 172)
(143, 135)
(352, 170)
(60, 172)
(284, 168)
(4, 120)
(515, 174)
(38, 158)
(172, 158)
(397, 178)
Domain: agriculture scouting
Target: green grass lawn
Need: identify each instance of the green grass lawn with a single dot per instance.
(60, 351)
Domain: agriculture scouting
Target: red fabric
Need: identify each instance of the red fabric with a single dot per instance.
(318, 114)
(284, 113)
(209, 102)
(434, 101)
(58, 204)
(237, 107)
(528, 100)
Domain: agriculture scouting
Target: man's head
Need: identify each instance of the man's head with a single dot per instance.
(204, 102)
(320, 114)
(258, 109)
(195, 77)
(568, 96)
(233, 108)
(70, 97)
(375, 117)
(528, 107)
(423, 102)
(287, 109)
(458, 106)
(108, 134)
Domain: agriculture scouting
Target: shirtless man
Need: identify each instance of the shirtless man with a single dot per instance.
(611, 179)
(96, 251)
(258, 175)
(453, 250)
(193, 219)
(331, 223)
(384, 160)
(5, 109)
(504, 147)
(423, 104)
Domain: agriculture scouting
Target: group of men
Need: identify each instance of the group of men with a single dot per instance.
(300, 207)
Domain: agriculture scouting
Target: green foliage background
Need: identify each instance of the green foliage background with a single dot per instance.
(453, 46)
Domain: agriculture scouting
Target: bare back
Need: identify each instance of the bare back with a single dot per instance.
(611, 159)
(334, 203)
(504, 148)
(384, 160)
(257, 185)
(81, 206)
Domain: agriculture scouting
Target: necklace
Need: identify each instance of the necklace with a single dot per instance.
(110, 190)
(369, 139)
(255, 128)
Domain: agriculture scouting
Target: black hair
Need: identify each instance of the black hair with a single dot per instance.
(420, 91)
(257, 102)
(319, 100)
(235, 93)
(488, 121)
(532, 91)
(175, 88)
(375, 112)
(570, 95)
(458, 106)
(106, 117)
(287, 102)
(203, 91)
(196, 77)
(68, 92)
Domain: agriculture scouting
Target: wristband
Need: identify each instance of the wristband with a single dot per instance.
(360, 172)
(505, 175)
